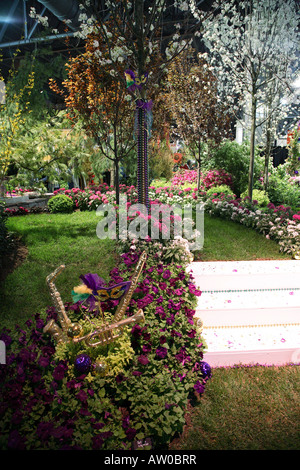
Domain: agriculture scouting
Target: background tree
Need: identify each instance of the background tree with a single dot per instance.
(99, 103)
(13, 112)
(253, 44)
(48, 151)
(133, 33)
(194, 105)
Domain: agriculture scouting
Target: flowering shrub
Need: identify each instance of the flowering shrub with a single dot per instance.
(91, 198)
(215, 191)
(182, 177)
(17, 192)
(208, 178)
(213, 178)
(46, 405)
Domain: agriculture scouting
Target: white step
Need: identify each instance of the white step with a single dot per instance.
(271, 357)
(268, 345)
(250, 311)
(249, 317)
(236, 268)
(230, 300)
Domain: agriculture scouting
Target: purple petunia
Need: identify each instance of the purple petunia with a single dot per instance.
(199, 387)
(143, 359)
(166, 274)
(59, 371)
(161, 352)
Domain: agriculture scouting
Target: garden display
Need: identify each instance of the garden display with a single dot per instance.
(84, 386)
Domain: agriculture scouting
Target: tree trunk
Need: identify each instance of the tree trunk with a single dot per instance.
(267, 156)
(117, 182)
(116, 162)
(199, 167)
(252, 145)
(141, 110)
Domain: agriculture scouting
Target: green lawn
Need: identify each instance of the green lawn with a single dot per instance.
(52, 240)
(225, 240)
(254, 408)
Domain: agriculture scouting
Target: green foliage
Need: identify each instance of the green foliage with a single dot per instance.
(280, 188)
(293, 160)
(158, 405)
(5, 238)
(161, 162)
(48, 149)
(217, 190)
(258, 195)
(115, 356)
(38, 99)
(60, 203)
(158, 370)
(234, 159)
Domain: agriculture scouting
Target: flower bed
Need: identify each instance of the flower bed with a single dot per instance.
(45, 404)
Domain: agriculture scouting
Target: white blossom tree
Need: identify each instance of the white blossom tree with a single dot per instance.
(253, 49)
(143, 36)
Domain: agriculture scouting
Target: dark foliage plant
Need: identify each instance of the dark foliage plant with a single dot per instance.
(46, 405)
(6, 239)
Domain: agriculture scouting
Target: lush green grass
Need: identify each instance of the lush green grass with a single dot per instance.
(253, 408)
(52, 240)
(225, 240)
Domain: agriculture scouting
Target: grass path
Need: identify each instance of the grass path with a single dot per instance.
(249, 408)
(225, 240)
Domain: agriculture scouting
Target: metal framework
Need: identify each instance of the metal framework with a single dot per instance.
(62, 10)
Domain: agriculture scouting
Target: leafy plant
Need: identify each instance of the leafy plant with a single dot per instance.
(280, 188)
(217, 190)
(47, 406)
(60, 203)
(5, 239)
(233, 158)
(258, 195)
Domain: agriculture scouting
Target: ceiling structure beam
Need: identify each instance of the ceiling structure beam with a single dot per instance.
(66, 10)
